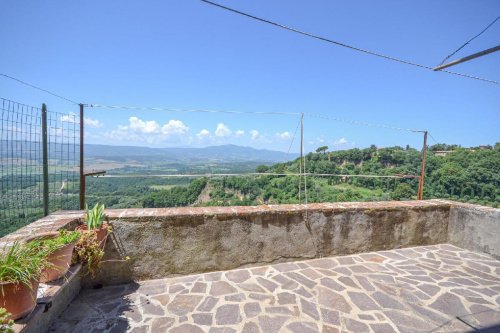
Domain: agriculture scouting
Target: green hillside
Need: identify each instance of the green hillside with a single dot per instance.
(464, 174)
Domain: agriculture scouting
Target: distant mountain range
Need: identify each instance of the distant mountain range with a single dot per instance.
(224, 153)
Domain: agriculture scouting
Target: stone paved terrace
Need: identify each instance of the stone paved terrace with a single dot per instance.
(438, 288)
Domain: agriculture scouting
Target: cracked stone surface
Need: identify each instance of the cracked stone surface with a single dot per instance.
(439, 288)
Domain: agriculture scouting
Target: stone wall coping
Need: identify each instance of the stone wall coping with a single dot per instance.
(130, 213)
(53, 222)
(68, 219)
(458, 204)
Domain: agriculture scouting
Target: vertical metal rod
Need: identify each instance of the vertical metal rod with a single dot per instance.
(421, 180)
(301, 153)
(82, 175)
(304, 162)
(45, 162)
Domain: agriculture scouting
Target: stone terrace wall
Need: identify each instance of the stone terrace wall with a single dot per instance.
(55, 221)
(176, 241)
(168, 242)
(476, 228)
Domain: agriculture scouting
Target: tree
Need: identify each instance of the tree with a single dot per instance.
(262, 168)
(403, 192)
(322, 149)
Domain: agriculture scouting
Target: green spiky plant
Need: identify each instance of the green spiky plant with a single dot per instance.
(21, 263)
(50, 245)
(94, 217)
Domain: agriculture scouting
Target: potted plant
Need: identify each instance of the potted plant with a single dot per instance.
(88, 251)
(20, 269)
(58, 249)
(94, 222)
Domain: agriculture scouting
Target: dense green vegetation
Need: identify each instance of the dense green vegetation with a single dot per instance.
(469, 175)
(176, 196)
(466, 174)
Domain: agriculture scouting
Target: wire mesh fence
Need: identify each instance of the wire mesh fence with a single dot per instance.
(21, 163)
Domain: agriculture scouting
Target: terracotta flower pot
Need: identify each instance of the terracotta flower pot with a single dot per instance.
(61, 262)
(102, 233)
(18, 298)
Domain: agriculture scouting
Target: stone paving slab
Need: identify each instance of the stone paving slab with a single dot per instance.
(439, 288)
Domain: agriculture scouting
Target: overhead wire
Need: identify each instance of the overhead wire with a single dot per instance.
(313, 115)
(38, 88)
(470, 40)
(354, 48)
(363, 123)
(435, 141)
(123, 107)
(298, 174)
(293, 137)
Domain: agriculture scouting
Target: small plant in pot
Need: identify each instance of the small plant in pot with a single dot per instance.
(20, 270)
(88, 251)
(58, 249)
(94, 221)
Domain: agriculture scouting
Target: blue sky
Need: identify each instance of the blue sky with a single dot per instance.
(188, 55)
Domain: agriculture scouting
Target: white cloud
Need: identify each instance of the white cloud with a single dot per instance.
(340, 142)
(284, 135)
(254, 134)
(239, 133)
(92, 122)
(174, 127)
(204, 133)
(70, 118)
(150, 131)
(73, 118)
(141, 126)
(222, 130)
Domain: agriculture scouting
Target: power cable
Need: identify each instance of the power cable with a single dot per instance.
(38, 88)
(314, 115)
(198, 175)
(363, 123)
(470, 40)
(293, 138)
(376, 54)
(435, 141)
(189, 110)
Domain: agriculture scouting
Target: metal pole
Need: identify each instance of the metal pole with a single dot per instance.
(420, 194)
(45, 161)
(82, 175)
(301, 153)
(472, 56)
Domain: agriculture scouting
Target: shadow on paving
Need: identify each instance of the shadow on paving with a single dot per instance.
(101, 310)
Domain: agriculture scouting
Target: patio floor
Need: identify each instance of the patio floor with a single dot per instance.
(439, 288)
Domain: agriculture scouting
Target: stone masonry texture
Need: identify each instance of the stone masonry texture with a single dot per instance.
(438, 288)
(180, 241)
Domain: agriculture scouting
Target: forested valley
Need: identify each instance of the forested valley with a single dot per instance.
(463, 174)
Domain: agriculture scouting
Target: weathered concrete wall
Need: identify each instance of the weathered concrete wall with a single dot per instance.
(167, 242)
(175, 241)
(475, 228)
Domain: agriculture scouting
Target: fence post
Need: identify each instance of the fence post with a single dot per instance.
(82, 175)
(45, 162)
(420, 193)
